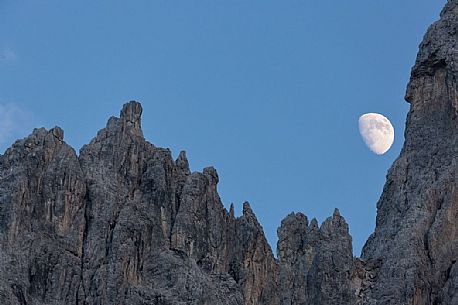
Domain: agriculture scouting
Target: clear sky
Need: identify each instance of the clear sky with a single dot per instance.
(268, 92)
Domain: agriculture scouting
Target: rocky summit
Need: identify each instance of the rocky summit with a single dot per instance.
(125, 223)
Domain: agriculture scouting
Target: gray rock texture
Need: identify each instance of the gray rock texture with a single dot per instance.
(124, 223)
(416, 236)
(316, 263)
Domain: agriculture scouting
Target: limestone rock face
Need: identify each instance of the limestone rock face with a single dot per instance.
(416, 236)
(124, 223)
(136, 195)
(316, 263)
(42, 220)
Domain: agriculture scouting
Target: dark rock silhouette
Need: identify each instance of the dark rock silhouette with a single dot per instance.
(124, 223)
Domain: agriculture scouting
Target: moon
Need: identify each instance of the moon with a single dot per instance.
(377, 132)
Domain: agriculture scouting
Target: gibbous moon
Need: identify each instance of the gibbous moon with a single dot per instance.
(377, 132)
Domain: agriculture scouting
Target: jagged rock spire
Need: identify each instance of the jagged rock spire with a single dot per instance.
(131, 112)
(125, 223)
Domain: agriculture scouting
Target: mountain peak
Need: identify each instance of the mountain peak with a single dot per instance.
(131, 113)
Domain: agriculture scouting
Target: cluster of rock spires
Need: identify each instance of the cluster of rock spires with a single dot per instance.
(124, 223)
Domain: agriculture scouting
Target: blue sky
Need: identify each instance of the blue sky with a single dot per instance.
(268, 92)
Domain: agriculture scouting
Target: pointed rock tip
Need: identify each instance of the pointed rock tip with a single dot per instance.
(302, 216)
(131, 111)
(182, 159)
(231, 210)
(247, 208)
(57, 132)
(182, 162)
(249, 214)
(314, 223)
(336, 213)
(182, 155)
(336, 219)
(211, 171)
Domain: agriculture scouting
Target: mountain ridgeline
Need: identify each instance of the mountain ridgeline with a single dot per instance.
(125, 223)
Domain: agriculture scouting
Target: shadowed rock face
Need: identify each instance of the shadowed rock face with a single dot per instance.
(124, 223)
(316, 263)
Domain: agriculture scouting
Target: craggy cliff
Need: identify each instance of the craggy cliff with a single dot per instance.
(124, 223)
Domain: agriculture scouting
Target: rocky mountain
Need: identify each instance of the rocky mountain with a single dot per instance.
(124, 223)
(416, 236)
